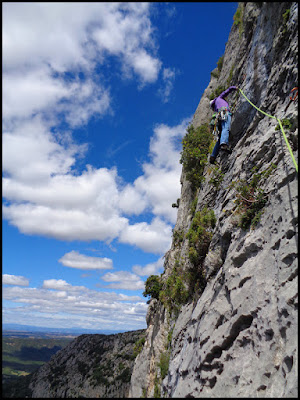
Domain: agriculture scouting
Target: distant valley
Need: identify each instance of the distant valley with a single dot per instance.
(53, 364)
(24, 351)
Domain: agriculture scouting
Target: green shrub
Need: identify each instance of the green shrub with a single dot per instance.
(121, 366)
(178, 237)
(253, 212)
(138, 346)
(152, 287)
(212, 145)
(199, 236)
(238, 18)
(99, 376)
(176, 205)
(169, 338)
(164, 364)
(215, 74)
(286, 15)
(220, 63)
(195, 145)
(194, 205)
(82, 367)
(174, 292)
(125, 375)
(251, 198)
(157, 393)
(179, 285)
(217, 177)
(285, 18)
(286, 123)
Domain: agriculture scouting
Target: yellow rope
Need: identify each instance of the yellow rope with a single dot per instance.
(288, 145)
(281, 127)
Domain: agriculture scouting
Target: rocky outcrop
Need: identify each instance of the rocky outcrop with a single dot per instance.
(238, 336)
(91, 366)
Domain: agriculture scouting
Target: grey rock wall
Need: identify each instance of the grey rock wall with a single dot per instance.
(239, 339)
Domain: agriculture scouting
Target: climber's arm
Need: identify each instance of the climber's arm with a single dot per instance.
(227, 91)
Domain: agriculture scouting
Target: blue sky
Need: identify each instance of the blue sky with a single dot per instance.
(96, 100)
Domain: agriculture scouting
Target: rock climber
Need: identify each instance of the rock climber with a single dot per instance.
(222, 108)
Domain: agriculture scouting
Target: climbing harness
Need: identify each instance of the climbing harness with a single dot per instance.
(280, 124)
(223, 113)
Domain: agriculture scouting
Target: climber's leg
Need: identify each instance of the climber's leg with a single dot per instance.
(216, 149)
(225, 130)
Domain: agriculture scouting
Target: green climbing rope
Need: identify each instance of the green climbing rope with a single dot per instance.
(281, 127)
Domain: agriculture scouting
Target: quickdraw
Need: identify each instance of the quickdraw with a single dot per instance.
(294, 96)
(215, 131)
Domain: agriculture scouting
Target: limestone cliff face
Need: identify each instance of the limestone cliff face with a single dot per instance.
(91, 366)
(238, 337)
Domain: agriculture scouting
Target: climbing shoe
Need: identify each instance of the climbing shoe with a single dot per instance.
(212, 159)
(226, 148)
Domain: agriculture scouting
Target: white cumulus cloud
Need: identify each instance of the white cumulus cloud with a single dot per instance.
(159, 186)
(49, 78)
(123, 280)
(74, 259)
(58, 284)
(47, 198)
(150, 269)
(59, 303)
(14, 280)
(152, 238)
(169, 76)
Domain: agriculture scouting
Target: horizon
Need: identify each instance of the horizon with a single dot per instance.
(11, 327)
(96, 100)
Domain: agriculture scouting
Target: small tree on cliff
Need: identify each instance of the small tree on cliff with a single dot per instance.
(152, 287)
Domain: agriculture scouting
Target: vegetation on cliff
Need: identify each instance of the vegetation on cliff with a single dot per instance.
(181, 285)
(195, 148)
(251, 197)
